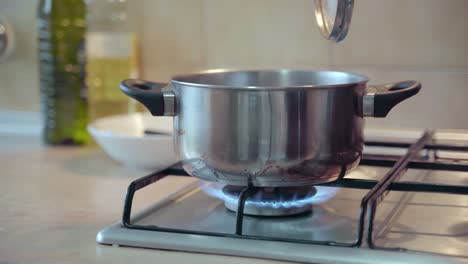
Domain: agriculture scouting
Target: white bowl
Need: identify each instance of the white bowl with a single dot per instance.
(123, 138)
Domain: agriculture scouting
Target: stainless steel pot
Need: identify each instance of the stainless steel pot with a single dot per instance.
(270, 128)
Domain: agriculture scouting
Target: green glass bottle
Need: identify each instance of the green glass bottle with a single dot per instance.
(62, 29)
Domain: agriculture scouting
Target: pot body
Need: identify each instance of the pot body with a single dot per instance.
(287, 137)
(269, 128)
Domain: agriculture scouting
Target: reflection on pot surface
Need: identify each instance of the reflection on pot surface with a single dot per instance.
(277, 128)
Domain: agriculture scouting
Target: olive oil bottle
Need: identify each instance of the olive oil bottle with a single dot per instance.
(61, 29)
(111, 53)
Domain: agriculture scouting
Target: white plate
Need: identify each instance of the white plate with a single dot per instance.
(123, 138)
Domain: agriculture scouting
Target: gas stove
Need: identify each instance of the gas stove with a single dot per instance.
(408, 205)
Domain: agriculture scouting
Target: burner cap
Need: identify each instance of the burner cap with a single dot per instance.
(279, 201)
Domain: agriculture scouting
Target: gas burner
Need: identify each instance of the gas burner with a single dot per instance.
(279, 201)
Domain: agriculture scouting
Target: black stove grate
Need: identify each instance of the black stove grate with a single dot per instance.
(378, 190)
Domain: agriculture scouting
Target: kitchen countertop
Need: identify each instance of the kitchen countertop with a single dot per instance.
(54, 200)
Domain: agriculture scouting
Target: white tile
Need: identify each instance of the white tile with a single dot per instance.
(19, 87)
(171, 37)
(441, 103)
(263, 34)
(21, 15)
(422, 33)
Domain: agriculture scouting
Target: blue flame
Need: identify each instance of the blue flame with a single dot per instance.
(321, 195)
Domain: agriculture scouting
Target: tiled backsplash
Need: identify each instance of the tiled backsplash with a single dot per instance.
(425, 40)
(426, 34)
(19, 89)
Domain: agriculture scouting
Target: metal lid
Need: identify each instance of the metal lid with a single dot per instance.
(333, 18)
(6, 39)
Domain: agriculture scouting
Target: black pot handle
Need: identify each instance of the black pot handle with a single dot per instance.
(380, 99)
(151, 95)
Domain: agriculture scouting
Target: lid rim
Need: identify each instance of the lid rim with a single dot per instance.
(342, 18)
(183, 80)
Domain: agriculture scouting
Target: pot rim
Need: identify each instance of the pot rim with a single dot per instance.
(191, 79)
